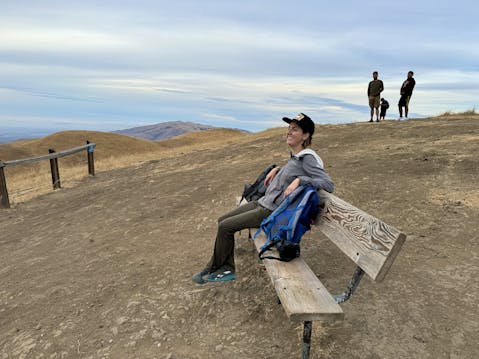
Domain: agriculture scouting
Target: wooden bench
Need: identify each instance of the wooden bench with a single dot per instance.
(370, 243)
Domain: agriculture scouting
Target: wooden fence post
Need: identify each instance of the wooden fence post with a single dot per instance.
(53, 156)
(91, 162)
(55, 171)
(4, 200)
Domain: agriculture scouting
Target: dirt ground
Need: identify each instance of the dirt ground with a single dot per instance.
(102, 270)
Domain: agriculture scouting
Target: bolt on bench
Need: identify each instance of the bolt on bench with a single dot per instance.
(372, 244)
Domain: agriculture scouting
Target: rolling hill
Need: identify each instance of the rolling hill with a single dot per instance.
(112, 145)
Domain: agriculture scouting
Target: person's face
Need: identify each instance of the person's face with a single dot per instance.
(409, 75)
(295, 136)
(375, 75)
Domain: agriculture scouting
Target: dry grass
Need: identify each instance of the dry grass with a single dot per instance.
(471, 112)
(113, 151)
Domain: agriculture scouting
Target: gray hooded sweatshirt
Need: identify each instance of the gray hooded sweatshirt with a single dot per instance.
(308, 167)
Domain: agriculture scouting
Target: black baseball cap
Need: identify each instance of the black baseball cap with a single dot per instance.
(303, 121)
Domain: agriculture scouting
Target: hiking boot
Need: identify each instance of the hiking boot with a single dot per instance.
(200, 277)
(221, 275)
(371, 120)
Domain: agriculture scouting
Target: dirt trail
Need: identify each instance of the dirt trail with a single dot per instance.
(103, 270)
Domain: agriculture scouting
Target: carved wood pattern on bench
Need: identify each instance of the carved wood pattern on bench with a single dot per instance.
(368, 241)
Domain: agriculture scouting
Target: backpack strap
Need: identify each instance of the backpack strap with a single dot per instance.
(271, 257)
(273, 243)
(266, 247)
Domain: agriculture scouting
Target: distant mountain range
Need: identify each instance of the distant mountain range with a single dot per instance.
(160, 131)
(163, 130)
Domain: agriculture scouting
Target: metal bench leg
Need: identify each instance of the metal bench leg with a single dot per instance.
(353, 284)
(308, 327)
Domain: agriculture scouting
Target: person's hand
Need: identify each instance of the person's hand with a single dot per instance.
(292, 186)
(270, 176)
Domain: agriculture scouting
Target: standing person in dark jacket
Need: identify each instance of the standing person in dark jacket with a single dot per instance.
(375, 88)
(384, 107)
(304, 167)
(406, 93)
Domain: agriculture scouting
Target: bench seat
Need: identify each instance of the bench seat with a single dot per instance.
(303, 296)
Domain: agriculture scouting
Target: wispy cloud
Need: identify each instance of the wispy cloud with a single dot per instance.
(40, 93)
(121, 64)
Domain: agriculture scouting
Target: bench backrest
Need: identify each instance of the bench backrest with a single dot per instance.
(369, 242)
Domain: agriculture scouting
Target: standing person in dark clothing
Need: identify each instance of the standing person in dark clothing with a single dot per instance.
(384, 107)
(406, 93)
(375, 88)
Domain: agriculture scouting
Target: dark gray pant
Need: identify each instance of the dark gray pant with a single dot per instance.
(248, 215)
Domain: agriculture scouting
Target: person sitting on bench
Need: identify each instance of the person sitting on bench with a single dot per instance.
(304, 167)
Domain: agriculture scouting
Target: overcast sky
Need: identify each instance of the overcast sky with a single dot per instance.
(108, 65)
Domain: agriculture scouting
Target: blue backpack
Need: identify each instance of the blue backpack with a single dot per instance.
(287, 224)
